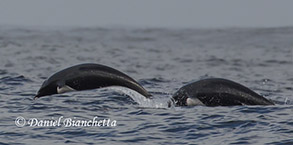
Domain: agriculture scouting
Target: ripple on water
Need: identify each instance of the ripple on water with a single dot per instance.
(162, 60)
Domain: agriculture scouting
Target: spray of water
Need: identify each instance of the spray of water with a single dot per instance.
(155, 102)
(287, 101)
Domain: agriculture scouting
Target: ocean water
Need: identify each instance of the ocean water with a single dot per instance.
(162, 60)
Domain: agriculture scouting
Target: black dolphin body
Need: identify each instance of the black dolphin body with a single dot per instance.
(86, 77)
(217, 92)
(208, 92)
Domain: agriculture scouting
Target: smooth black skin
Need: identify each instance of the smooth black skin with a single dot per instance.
(89, 76)
(218, 92)
(211, 92)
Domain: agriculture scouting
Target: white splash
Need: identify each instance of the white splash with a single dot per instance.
(287, 101)
(142, 100)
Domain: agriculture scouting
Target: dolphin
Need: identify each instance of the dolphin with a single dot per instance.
(207, 92)
(217, 92)
(85, 77)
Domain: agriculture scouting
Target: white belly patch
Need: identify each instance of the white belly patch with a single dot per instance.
(64, 89)
(193, 102)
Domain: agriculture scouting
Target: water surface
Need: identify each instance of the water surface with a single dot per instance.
(162, 60)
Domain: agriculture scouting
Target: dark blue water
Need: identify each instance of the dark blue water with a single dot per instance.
(162, 60)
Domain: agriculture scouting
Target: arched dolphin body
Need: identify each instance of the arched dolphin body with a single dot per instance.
(86, 77)
(208, 92)
(217, 92)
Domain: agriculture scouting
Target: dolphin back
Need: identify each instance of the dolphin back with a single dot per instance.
(219, 92)
(91, 76)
